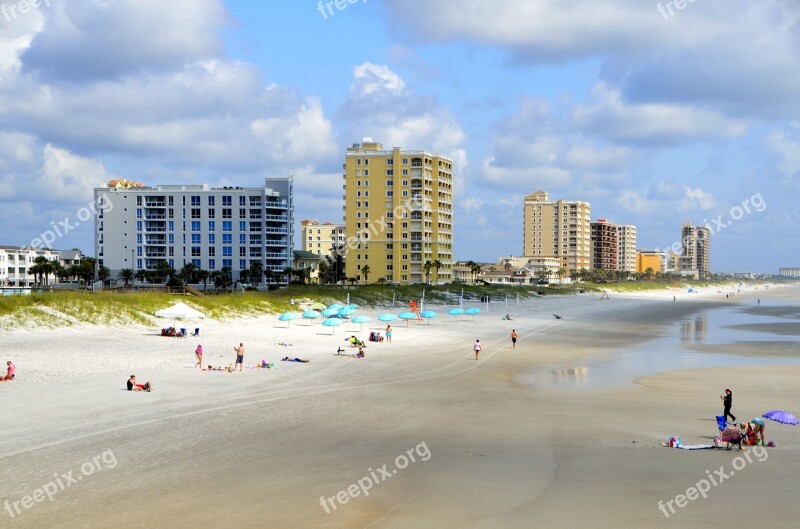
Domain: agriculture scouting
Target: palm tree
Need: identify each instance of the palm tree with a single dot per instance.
(222, 278)
(437, 264)
(476, 269)
(126, 274)
(648, 272)
(427, 268)
(103, 274)
(560, 273)
(365, 270)
(187, 273)
(44, 267)
(141, 275)
(60, 272)
(86, 269)
(244, 275)
(269, 275)
(256, 272)
(351, 280)
(202, 277)
(165, 271)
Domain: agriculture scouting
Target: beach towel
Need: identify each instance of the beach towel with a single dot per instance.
(695, 447)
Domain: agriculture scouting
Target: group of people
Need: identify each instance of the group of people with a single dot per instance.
(753, 430)
(172, 331)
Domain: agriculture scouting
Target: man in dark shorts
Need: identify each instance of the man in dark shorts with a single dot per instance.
(239, 356)
(513, 338)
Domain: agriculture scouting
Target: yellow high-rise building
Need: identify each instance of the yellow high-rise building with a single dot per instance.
(398, 214)
(559, 229)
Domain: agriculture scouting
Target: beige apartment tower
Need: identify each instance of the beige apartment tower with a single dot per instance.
(398, 214)
(321, 238)
(559, 229)
(696, 252)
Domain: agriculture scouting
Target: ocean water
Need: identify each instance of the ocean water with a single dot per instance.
(671, 352)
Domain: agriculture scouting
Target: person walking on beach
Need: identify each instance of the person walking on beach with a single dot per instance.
(477, 349)
(727, 400)
(239, 356)
(199, 354)
(388, 333)
(513, 338)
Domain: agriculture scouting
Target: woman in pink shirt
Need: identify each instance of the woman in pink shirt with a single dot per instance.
(12, 369)
(199, 354)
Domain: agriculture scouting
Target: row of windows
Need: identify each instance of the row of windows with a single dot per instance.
(227, 200)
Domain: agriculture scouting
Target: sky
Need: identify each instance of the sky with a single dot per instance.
(657, 113)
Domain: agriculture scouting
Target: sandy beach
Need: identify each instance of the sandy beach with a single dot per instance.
(561, 431)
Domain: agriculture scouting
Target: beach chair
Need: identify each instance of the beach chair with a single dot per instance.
(196, 331)
(721, 422)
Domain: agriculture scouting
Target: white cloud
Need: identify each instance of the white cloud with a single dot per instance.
(696, 198)
(787, 147)
(650, 123)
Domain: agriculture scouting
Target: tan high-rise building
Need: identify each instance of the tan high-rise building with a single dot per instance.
(398, 214)
(559, 229)
(321, 239)
(695, 255)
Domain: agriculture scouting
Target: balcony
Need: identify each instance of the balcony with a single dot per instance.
(283, 218)
(155, 254)
(155, 204)
(155, 216)
(155, 242)
(270, 229)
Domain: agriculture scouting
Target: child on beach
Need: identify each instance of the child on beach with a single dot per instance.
(477, 349)
(10, 373)
(199, 354)
(388, 333)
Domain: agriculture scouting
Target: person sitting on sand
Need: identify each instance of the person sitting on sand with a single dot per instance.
(507, 317)
(339, 350)
(558, 316)
(133, 386)
(10, 373)
(287, 359)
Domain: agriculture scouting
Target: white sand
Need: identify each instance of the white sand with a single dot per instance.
(259, 448)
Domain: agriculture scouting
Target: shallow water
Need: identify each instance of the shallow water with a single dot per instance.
(667, 353)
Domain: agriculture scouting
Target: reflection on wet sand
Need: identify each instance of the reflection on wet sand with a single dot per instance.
(573, 376)
(695, 331)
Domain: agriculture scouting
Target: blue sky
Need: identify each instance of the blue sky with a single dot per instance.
(654, 118)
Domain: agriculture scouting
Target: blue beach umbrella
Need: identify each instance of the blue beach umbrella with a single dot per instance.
(387, 317)
(288, 316)
(335, 306)
(330, 312)
(428, 315)
(362, 320)
(455, 312)
(311, 314)
(346, 312)
(407, 316)
(332, 322)
(472, 312)
(352, 306)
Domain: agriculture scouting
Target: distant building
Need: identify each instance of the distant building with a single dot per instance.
(605, 246)
(398, 213)
(322, 239)
(626, 239)
(789, 272)
(559, 229)
(211, 228)
(308, 261)
(694, 259)
(656, 260)
(16, 261)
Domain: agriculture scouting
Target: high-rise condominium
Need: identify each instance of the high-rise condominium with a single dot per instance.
(695, 255)
(559, 229)
(211, 228)
(398, 214)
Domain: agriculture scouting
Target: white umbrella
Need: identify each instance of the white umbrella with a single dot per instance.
(180, 311)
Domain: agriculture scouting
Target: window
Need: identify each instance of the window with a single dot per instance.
(390, 172)
(195, 238)
(196, 262)
(389, 183)
(242, 251)
(171, 213)
(242, 264)
(243, 225)
(171, 201)
(226, 201)
(138, 212)
(139, 225)
(243, 200)
(212, 239)
(211, 213)
(390, 193)
(212, 263)
(242, 238)
(227, 213)
(405, 192)
(171, 239)
(195, 251)
(227, 263)
(227, 238)
(405, 183)
(196, 212)
(366, 161)
(195, 201)
(212, 225)
(242, 213)
(138, 201)
(405, 161)
(195, 225)
(405, 172)
(366, 173)
(227, 225)
(212, 252)
(211, 201)
(227, 251)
